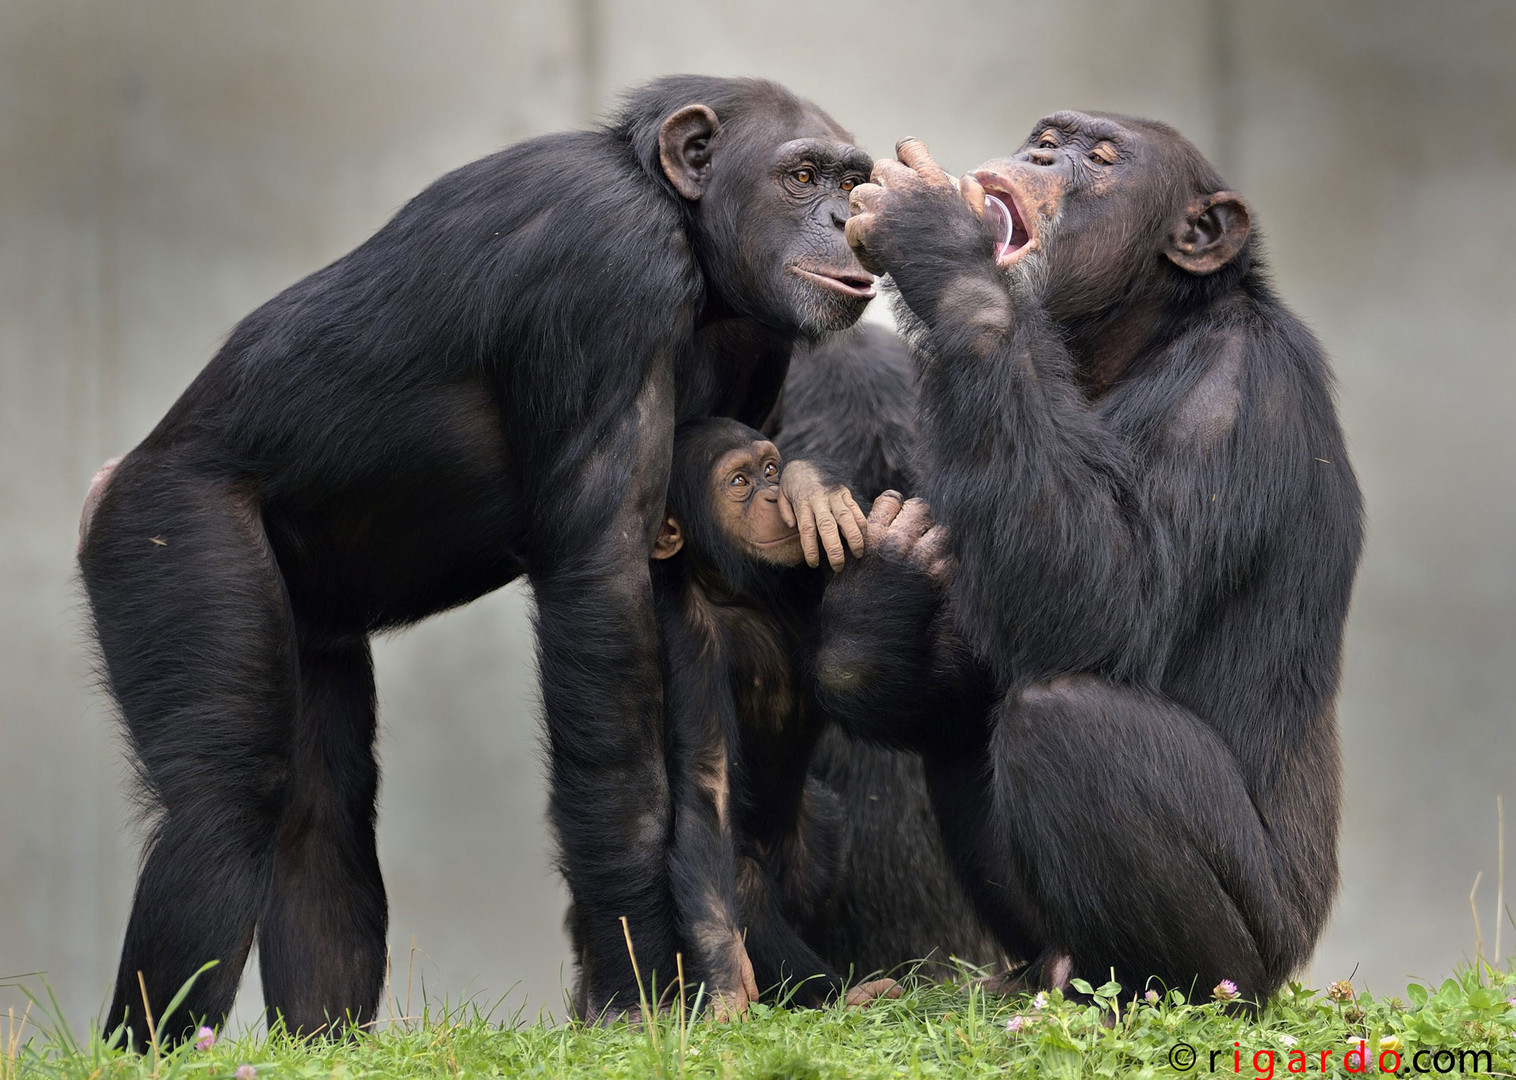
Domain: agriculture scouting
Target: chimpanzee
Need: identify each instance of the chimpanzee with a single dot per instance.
(850, 400)
(756, 848)
(1127, 702)
(486, 387)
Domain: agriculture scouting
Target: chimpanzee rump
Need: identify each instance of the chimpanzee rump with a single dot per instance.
(487, 387)
(1133, 447)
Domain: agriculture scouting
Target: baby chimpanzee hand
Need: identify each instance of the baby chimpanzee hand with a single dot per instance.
(821, 509)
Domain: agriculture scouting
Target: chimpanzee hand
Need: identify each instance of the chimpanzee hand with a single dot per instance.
(916, 223)
(884, 667)
(904, 533)
(822, 510)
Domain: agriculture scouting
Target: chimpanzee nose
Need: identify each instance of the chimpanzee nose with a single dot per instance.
(1042, 157)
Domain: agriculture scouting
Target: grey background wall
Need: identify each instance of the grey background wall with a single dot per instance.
(166, 166)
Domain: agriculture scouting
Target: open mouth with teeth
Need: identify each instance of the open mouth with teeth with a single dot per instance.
(854, 283)
(1004, 219)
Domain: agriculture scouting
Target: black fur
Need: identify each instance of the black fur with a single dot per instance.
(850, 400)
(757, 848)
(487, 387)
(1127, 706)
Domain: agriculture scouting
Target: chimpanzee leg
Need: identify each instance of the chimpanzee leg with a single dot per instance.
(962, 794)
(778, 954)
(321, 941)
(1140, 845)
(196, 637)
(602, 693)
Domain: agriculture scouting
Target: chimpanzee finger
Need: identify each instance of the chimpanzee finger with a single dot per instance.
(891, 174)
(856, 513)
(914, 154)
(856, 232)
(844, 509)
(864, 199)
(884, 510)
(786, 510)
(972, 192)
(831, 538)
(933, 544)
(914, 520)
(808, 534)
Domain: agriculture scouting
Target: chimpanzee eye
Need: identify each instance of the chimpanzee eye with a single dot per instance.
(1104, 154)
(849, 184)
(1048, 138)
(770, 470)
(739, 480)
(805, 176)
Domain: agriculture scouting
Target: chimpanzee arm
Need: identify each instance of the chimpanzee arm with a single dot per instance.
(702, 856)
(1065, 564)
(889, 665)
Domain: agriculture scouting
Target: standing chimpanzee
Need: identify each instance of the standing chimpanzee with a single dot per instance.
(849, 400)
(486, 387)
(756, 847)
(1152, 535)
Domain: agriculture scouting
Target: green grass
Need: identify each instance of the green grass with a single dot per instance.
(931, 1031)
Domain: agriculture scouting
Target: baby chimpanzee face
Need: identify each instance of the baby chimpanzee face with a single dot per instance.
(724, 502)
(745, 502)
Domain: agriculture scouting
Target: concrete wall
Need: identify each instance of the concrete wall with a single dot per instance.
(166, 166)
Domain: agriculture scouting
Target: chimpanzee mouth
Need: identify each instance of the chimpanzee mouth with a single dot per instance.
(1003, 217)
(853, 283)
(775, 543)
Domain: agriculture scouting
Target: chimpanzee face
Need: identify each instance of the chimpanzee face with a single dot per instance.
(745, 504)
(724, 502)
(820, 285)
(1097, 201)
(771, 199)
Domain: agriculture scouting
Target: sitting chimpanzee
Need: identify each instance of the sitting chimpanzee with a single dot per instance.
(1127, 703)
(486, 387)
(756, 848)
(850, 400)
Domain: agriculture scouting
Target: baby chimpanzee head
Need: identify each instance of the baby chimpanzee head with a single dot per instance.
(724, 502)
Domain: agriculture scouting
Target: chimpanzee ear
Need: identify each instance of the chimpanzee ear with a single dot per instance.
(670, 539)
(684, 149)
(1212, 233)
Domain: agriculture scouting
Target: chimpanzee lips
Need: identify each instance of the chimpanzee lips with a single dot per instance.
(848, 282)
(785, 539)
(1003, 217)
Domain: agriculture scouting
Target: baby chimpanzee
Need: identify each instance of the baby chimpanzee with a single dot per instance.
(756, 848)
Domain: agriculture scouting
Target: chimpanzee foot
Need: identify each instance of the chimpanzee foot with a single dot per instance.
(620, 1008)
(1057, 968)
(1051, 971)
(863, 994)
(730, 1000)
